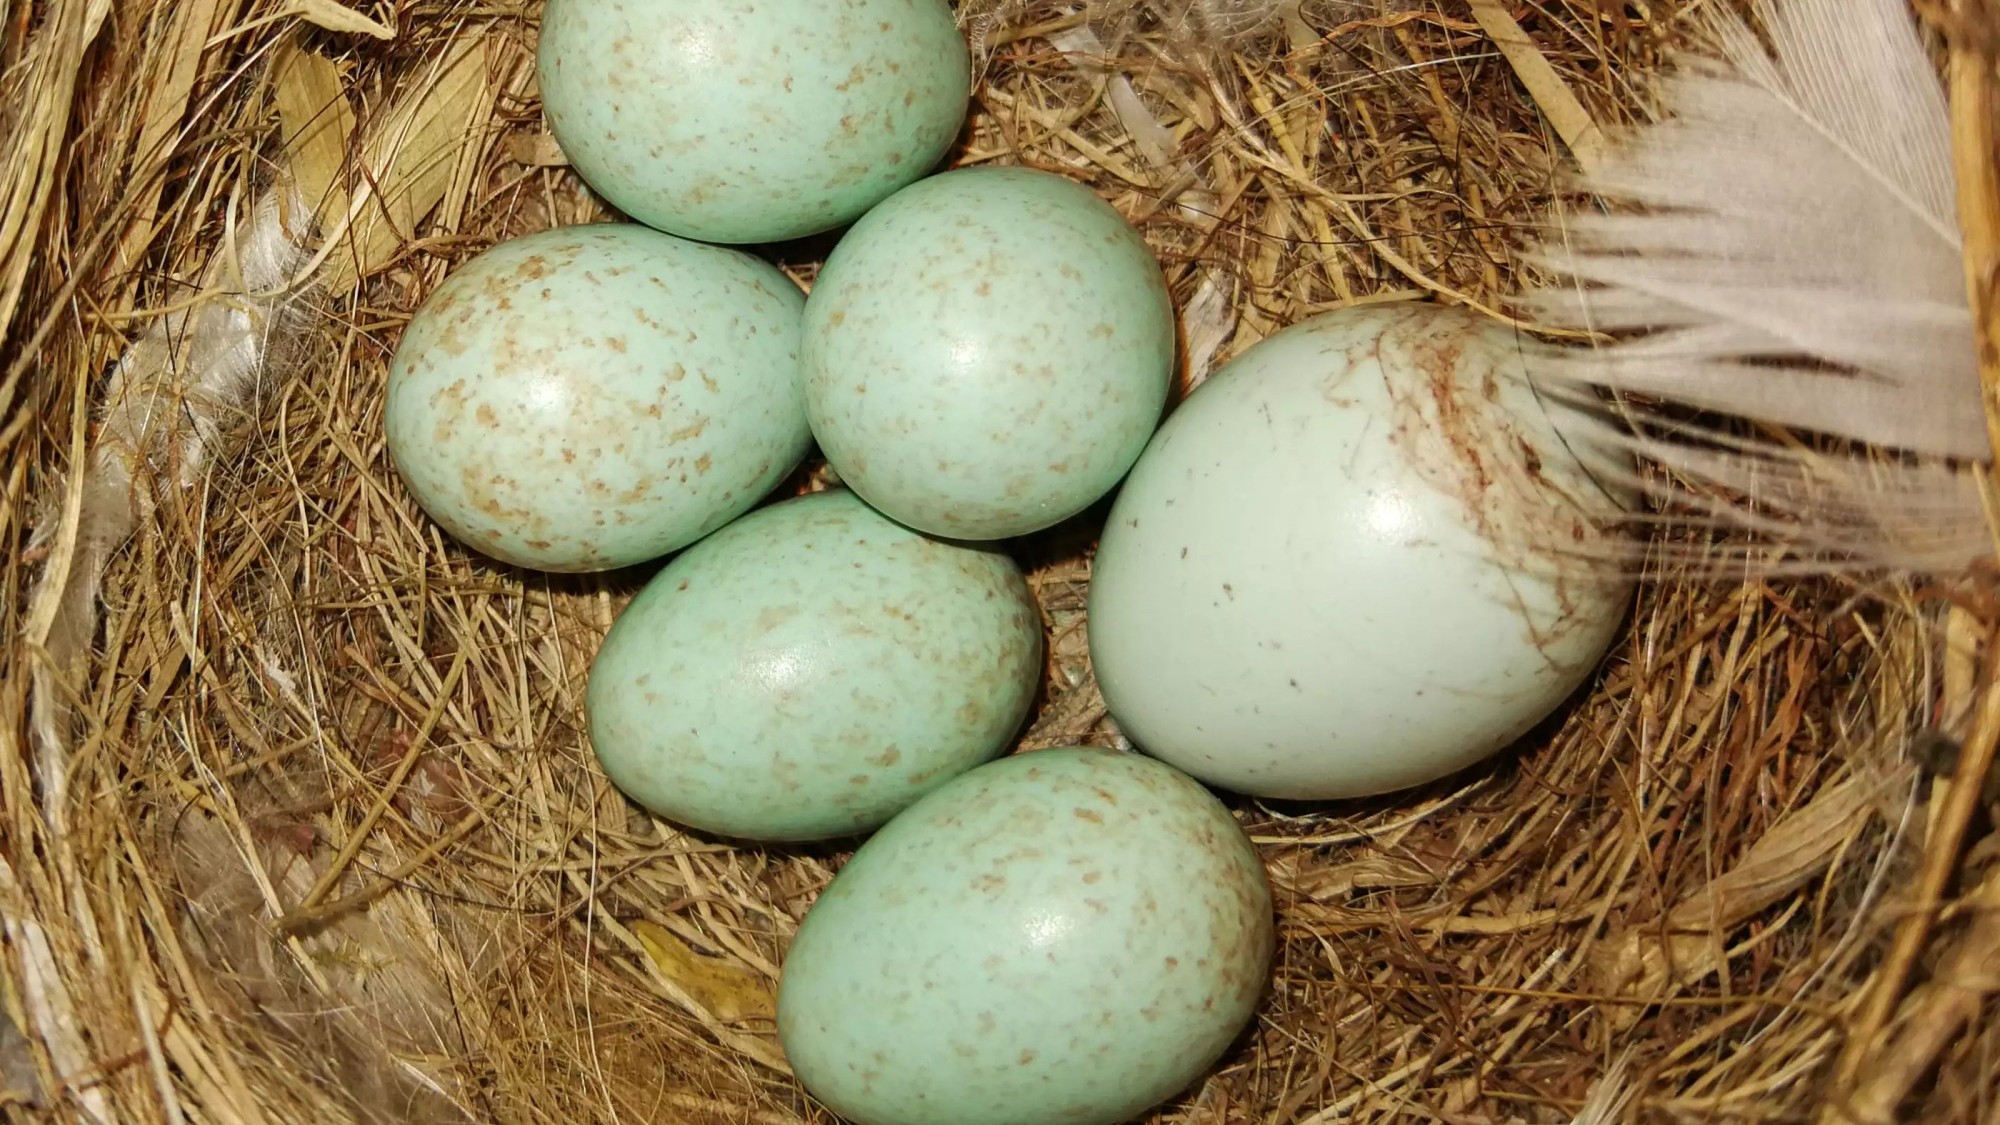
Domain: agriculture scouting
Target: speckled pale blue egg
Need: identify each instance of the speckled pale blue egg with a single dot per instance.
(593, 397)
(1064, 936)
(810, 670)
(738, 122)
(1356, 559)
(987, 352)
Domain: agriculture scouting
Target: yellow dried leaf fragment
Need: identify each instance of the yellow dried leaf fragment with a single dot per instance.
(338, 17)
(728, 991)
(318, 124)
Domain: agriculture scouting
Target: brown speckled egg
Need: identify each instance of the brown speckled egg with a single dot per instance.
(810, 670)
(1063, 936)
(593, 397)
(986, 353)
(751, 122)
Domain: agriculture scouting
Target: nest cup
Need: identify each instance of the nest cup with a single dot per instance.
(302, 822)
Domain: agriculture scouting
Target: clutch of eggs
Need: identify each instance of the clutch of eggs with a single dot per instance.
(1347, 562)
(736, 123)
(1312, 584)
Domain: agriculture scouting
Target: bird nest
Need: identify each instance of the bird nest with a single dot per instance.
(301, 819)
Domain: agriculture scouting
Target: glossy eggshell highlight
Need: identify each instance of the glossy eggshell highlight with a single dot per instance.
(733, 122)
(1068, 935)
(987, 352)
(810, 670)
(594, 397)
(1324, 577)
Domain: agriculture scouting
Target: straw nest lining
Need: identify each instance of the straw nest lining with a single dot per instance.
(321, 837)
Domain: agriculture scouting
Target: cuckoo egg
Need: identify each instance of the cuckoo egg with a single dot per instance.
(593, 397)
(1348, 563)
(987, 351)
(810, 670)
(734, 122)
(1068, 935)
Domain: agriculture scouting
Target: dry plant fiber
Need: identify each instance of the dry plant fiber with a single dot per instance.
(300, 821)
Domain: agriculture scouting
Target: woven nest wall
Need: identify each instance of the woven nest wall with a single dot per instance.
(304, 826)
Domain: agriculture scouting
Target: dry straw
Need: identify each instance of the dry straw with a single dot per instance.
(300, 823)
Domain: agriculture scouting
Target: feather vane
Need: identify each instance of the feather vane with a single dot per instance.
(1791, 258)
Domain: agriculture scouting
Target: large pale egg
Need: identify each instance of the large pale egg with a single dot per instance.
(593, 397)
(987, 352)
(810, 670)
(1062, 936)
(751, 122)
(1350, 562)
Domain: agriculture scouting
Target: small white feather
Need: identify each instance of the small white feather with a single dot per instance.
(172, 397)
(1794, 260)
